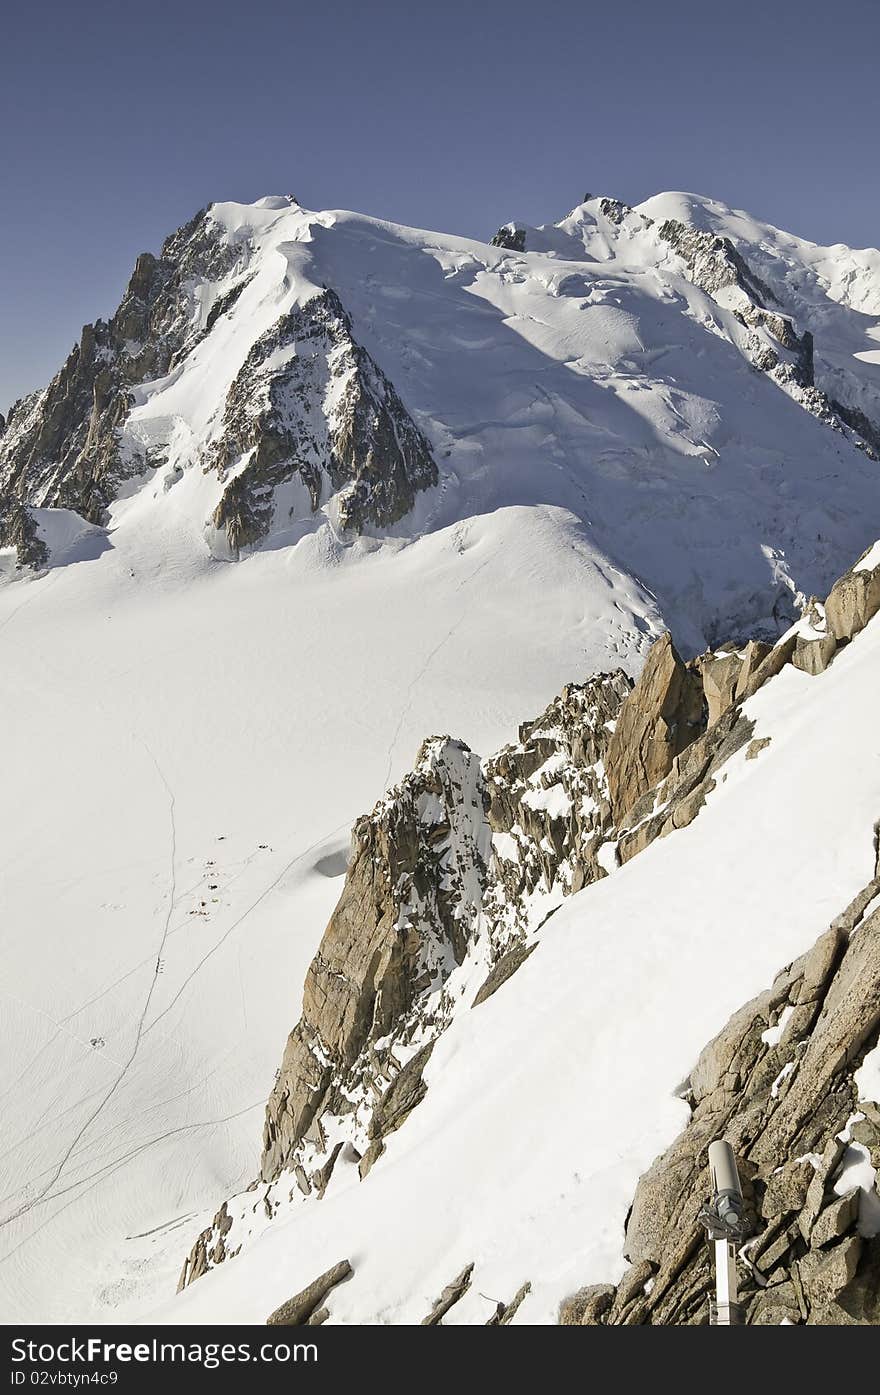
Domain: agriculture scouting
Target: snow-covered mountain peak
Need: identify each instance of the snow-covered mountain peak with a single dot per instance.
(276, 201)
(599, 229)
(847, 275)
(670, 377)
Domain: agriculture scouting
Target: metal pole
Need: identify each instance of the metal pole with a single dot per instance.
(726, 1289)
(724, 1223)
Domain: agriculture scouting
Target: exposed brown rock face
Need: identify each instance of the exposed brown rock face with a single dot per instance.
(782, 1104)
(720, 676)
(413, 887)
(587, 1307)
(660, 719)
(208, 1250)
(505, 967)
(505, 1312)
(300, 1310)
(714, 263)
(852, 602)
(451, 860)
(681, 795)
(424, 882)
(448, 864)
(753, 657)
(548, 798)
(449, 1297)
(814, 655)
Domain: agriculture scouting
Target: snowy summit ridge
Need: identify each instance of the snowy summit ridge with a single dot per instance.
(659, 373)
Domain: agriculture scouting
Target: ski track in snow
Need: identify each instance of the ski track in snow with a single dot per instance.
(194, 886)
(40, 586)
(52, 1117)
(95, 1179)
(142, 1030)
(44, 1193)
(114, 1128)
(288, 866)
(416, 680)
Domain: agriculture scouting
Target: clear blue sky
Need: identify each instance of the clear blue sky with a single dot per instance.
(119, 120)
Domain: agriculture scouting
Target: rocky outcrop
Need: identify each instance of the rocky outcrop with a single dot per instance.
(502, 970)
(853, 601)
(505, 1312)
(511, 236)
(413, 889)
(18, 529)
(679, 797)
(760, 664)
(549, 807)
(449, 1297)
(452, 861)
(460, 865)
(455, 874)
(771, 340)
(300, 1310)
(866, 432)
(713, 262)
(661, 718)
(63, 447)
(813, 654)
(779, 1083)
(209, 1249)
(309, 403)
(617, 212)
(720, 674)
(586, 1307)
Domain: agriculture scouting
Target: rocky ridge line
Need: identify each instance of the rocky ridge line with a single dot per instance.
(63, 447)
(460, 865)
(327, 413)
(308, 402)
(780, 1083)
(770, 341)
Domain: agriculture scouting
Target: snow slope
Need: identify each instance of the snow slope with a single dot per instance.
(833, 291)
(183, 754)
(186, 742)
(545, 1103)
